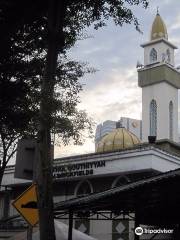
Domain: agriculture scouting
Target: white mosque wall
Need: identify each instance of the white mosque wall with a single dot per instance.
(113, 164)
(159, 164)
(162, 93)
(101, 229)
(133, 161)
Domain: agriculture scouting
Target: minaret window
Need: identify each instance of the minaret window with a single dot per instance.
(168, 55)
(171, 120)
(153, 55)
(153, 118)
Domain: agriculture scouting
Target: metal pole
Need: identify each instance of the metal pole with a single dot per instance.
(29, 232)
(6, 203)
(70, 225)
(136, 224)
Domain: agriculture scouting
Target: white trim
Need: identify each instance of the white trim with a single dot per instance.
(154, 65)
(119, 155)
(159, 40)
(132, 160)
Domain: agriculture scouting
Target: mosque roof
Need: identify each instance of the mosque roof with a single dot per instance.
(159, 29)
(118, 139)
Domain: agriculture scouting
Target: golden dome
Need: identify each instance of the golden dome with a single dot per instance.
(159, 29)
(118, 139)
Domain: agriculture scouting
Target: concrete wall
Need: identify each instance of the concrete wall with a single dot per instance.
(162, 93)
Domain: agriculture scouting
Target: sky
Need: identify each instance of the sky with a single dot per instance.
(112, 91)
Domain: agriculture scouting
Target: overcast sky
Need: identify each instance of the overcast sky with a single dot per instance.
(112, 92)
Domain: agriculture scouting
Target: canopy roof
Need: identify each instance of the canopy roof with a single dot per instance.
(155, 200)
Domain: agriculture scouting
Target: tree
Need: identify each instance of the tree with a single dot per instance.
(19, 104)
(58, 30)
(24, 33)
(13, 118)
(22, 63)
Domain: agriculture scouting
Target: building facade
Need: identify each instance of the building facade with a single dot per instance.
(159, 80)
(121, 156)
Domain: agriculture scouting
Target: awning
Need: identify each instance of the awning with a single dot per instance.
(156, 200)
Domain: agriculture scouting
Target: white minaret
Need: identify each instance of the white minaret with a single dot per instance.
(160, 82)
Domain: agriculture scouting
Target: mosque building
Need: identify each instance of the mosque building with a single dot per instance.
(122, 156)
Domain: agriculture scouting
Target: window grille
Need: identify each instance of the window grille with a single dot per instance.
(153, 55)
(168, 55)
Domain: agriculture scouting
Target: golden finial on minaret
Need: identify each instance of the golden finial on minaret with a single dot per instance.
(158, 29)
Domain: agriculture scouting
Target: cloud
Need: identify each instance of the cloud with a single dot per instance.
(71, 150)
(117, 96)
(113, 92)
(176, 24)
(117, 93)
(129, 108)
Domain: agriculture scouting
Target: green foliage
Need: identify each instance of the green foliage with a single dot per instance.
(98, 12)
(23, 49)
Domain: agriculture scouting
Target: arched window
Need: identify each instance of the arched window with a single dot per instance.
(168, 55)
(120, 181)
(120, 228)
(153, 118)
(83, 188)
(171, 120)
(153, 55)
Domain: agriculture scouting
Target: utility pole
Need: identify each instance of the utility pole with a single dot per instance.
(29, 232)
(43, 175)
